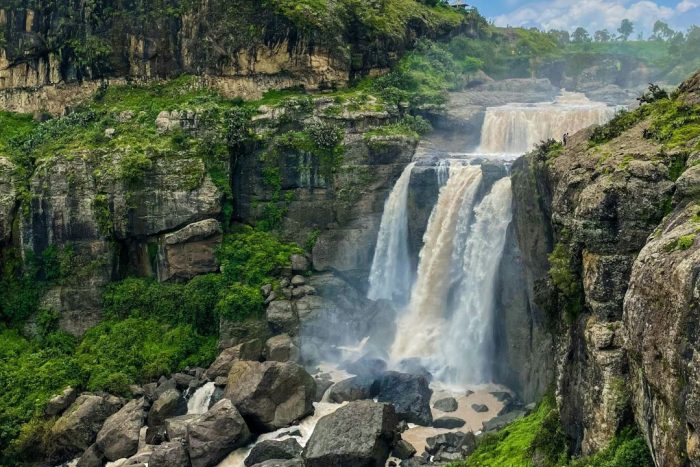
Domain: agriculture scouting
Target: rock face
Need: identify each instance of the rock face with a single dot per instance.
(359, 434)
(215, 434)
(119, 436)
(410, 396)
(451, 446)
(623, 296)
(77, 428)
(250, 350)
(270, 395)
(170, 454)
(169, 404)
(189, 251)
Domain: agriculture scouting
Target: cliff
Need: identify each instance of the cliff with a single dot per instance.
(617, 209)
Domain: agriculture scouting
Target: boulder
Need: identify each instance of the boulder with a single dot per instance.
(176, 427)
(410, 396)
(273, 450)
(403, 450)
(250, 350)
(183, 381)
(500, 421)
(215, 434)
(170, 454)
(281, 463)
(480, 408)
(366, 365)
(190, 251)
(281, 348)
(300, 264)
(76, 430)
(448, 404)
(449, 423)
(359, 434)
(169, 404)
(164, 384)
(298, 280)
(450, 446)
(413, 366)
(282, 317)
(92, 457)
(353, 389)
(270, 395)
(59, 403)
(119, 436)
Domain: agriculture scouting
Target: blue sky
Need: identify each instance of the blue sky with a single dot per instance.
(592, 14)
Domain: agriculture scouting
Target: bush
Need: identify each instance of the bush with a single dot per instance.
(240, 302)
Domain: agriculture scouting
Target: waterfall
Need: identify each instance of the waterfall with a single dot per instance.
(199, 402)
(468, 342)
(421, 324)
(390, 275)
(442, 169)
(517, 128)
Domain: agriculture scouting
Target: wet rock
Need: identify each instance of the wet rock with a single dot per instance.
(353, 389)
(169, 404)
(451, 446)
(403, 450)
(156, 434)
(449, 423)
(413, 366)
(410, 396)
(468, 392)
(215, 434)
(170, 454)
(77, 428)
(366, 366)
(499, 422)
(322, 386)
(448, 404)
(367, 431)
(250, 350)
(182, 380)
(119, 436)
(480, 408)
(281, 348)
(281, 463)
(59, 403)
(273, 450)
(270, 395)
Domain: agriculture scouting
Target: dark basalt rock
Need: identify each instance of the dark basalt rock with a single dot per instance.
(449, 423)
(273, 450)
(410, 396)
(448, 404)
(353, 389)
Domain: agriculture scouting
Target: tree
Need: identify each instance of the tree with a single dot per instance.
(602, 36)
(580, 35)
(626, 29)
(562, 37)
(662, 31)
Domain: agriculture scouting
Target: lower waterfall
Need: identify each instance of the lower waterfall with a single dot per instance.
(390, 276)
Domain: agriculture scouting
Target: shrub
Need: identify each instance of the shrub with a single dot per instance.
(240, 302)
(623, 121)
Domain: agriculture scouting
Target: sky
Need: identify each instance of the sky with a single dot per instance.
(591, 14)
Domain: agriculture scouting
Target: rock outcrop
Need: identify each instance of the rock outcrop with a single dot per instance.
(211, 437)
(119, 436)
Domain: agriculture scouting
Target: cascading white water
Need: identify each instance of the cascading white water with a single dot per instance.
(422, 323)
(467, 345)
(517, 128)
(390, 275)
(199, 402)
(442, 169)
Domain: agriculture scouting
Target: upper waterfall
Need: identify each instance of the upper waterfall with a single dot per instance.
(390, 275)
(517, 128)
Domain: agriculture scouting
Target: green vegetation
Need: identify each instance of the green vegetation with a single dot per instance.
(249, 259)
(682, 243)
(110, 357)
(539, 437)
(566, 281)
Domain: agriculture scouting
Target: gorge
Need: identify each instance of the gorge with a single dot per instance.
(330, 234)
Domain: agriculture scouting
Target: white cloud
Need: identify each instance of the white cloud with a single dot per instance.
(686, 5)
(593, 14)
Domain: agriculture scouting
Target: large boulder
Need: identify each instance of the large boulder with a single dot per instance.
(190, 251)
(447, 404)
(410, 396)
(77, 428)
(215, 434)
(359, 434)
(170, 454)
(281, 348)
(282, 317)
(61, 402)
(270, 395)
(176, 427)
(169, 404)
(353, 389)
(119, 436)
(250, 350)
(273, 450)
(451, 446)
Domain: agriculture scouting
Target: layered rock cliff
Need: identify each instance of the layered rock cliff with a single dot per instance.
(616, 207)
